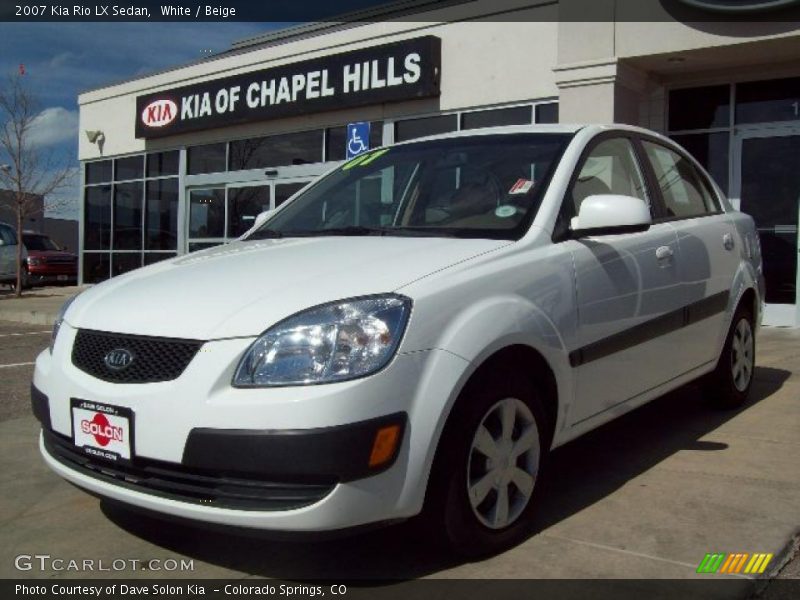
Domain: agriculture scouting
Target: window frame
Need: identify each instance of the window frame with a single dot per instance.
(657, 194)
(561, 230)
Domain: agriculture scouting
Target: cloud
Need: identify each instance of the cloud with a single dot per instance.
(53, 126)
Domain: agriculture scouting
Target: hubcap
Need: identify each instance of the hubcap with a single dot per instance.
(742, 355)
(503, 463)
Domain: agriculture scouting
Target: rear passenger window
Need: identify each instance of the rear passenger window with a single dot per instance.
(686, 192)
(610, 168)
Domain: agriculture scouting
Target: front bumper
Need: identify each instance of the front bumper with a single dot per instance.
(282, 437)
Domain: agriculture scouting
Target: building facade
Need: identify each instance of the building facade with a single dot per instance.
(189, 156)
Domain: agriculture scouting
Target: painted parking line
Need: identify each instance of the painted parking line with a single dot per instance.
(25, 364)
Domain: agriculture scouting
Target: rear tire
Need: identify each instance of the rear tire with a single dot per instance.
(491, 457)
(729, 384)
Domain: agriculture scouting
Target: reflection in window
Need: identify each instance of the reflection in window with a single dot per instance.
(97, 215)
(768, 101)
(131, 167)
(244, 204)
(284, 191)
(516, 115)
(161, 216)
(547, 113)
(195, 246)
(96, 266)
(160, 164)
(207, 213)
(122, 262)
(277, 150)
(128, 216)
(209, 158)
(699, 108)
(416, 128)
(151, 258)
(98, 171)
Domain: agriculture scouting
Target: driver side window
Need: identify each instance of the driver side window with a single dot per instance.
(610, 168)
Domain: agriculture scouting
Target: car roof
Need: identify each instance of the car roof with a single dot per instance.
(563, 128)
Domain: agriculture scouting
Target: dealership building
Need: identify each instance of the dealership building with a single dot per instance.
(186, 158)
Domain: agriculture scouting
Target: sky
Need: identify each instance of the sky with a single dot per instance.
(63, 59)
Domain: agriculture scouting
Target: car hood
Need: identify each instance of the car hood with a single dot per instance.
(241, 289)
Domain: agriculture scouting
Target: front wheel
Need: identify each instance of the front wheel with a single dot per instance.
(729, 384)
(489, 465)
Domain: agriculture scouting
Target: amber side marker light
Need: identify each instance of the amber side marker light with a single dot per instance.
(385, 444)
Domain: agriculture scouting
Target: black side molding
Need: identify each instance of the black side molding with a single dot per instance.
(341, 452)
(40, 405)
(667, 323)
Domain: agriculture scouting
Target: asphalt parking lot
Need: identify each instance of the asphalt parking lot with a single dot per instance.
(646, 496)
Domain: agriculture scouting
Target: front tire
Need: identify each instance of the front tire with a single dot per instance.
(729, 384)
(489, 462)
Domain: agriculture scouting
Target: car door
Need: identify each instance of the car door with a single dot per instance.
(627, 289)
(707, 241)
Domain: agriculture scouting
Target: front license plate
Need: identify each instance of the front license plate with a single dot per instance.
(61, 277)
(102, 431)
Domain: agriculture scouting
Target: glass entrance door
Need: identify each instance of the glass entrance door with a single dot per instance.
(222, 213)
(767, 187)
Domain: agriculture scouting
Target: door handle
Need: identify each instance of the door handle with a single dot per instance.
(727, 241)
(664, 253)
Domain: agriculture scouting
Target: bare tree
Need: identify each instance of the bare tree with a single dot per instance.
(33, 171)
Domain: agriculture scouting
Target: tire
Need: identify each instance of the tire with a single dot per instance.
(728, 385)
(473, 523)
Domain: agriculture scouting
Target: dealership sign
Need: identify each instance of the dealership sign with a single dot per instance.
(741, 6)
(389, 73)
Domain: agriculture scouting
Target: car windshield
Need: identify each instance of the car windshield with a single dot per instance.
(483, 186)
(39, 242)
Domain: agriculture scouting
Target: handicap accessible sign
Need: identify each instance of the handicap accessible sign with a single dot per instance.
(357, 139)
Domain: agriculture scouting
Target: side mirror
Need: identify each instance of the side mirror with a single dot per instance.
(609, 214)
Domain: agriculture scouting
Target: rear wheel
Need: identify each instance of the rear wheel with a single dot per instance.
(488, 466)
(729, 384)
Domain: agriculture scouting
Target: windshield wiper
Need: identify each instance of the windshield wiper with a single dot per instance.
(264, 234)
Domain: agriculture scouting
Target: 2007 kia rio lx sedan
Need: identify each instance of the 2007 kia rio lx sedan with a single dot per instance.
(412, 333)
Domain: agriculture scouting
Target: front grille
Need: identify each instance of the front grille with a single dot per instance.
(52, 260)
(198, 486)
(154, 359)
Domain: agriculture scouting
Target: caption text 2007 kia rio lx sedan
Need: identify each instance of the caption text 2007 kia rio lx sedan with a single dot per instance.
(412, 333)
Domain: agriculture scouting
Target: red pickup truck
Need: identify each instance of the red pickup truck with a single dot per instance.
(47, 263)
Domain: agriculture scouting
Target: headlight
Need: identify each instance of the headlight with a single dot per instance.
(33, 261)
(59, 320)
(333, 342)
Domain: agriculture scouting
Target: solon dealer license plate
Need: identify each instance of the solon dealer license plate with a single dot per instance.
(101, 430)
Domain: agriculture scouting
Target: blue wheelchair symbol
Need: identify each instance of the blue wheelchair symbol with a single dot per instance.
(357, 139)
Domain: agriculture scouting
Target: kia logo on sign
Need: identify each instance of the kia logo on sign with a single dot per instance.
(118, 359)
(159, 113)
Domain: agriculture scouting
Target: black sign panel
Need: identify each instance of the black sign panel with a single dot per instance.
(400, 71)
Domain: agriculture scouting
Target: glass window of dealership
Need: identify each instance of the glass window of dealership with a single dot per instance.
(144, 208)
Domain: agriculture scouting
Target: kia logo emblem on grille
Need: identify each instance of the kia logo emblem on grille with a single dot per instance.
(118, 359)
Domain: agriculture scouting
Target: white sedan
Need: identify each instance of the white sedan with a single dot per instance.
(412, 333)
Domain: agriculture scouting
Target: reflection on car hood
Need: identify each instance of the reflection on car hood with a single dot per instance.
(245, 287)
